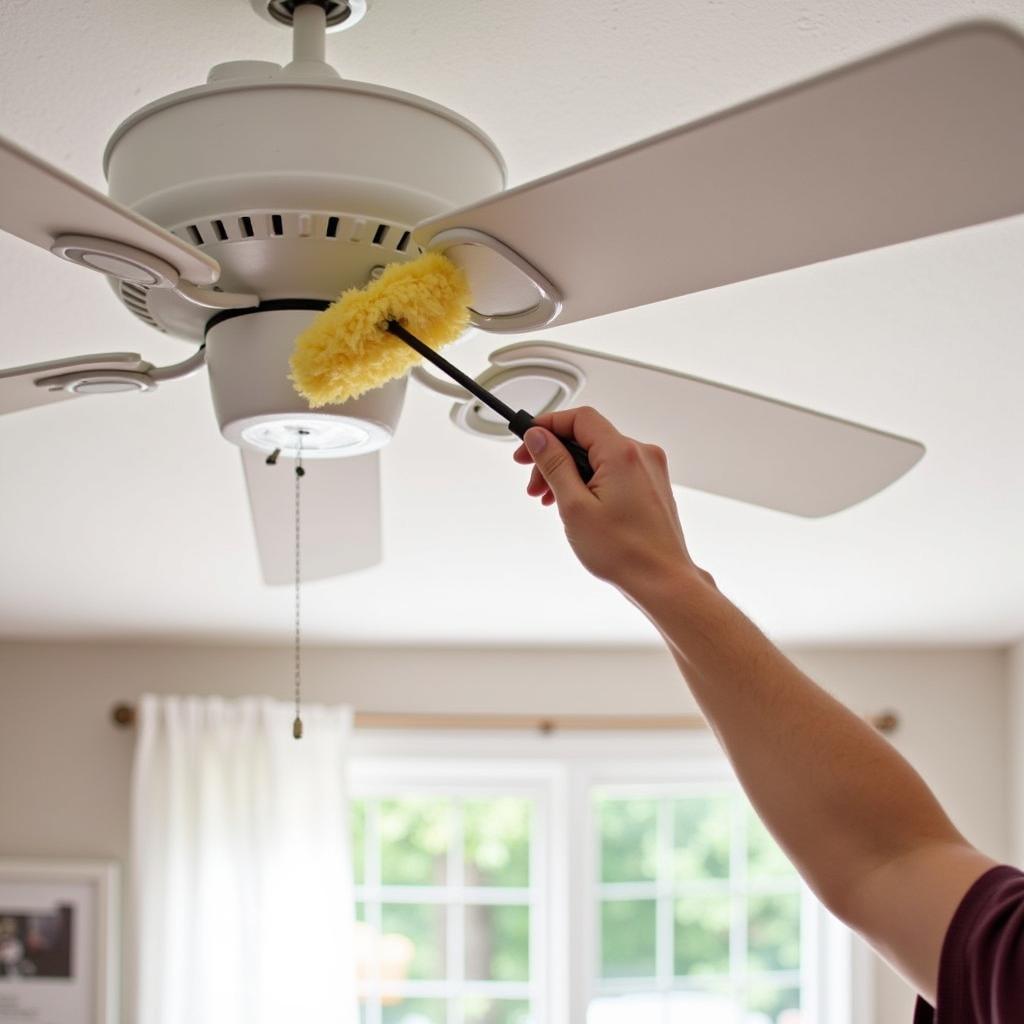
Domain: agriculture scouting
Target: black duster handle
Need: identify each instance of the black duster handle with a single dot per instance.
(518, 422)
(521, 422)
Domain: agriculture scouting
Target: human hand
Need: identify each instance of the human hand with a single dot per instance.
(623, 525)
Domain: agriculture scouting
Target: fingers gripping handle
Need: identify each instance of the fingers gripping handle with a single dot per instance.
(521, 422)
(580, 457)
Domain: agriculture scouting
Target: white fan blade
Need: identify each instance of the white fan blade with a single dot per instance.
(922, 139)
(39, 203)
(340, 515)
(731, 442)
(18, 388)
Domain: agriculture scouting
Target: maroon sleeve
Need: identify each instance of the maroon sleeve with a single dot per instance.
(981, 973)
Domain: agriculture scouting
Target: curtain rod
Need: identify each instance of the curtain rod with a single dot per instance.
(886, 722)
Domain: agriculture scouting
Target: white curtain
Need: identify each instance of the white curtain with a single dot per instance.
(242, 879)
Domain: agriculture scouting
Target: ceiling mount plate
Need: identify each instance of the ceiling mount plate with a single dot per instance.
(341, 14)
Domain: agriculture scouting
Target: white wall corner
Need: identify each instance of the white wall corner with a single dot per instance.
(1015, 718)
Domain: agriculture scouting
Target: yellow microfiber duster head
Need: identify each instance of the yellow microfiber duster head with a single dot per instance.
(347, 351)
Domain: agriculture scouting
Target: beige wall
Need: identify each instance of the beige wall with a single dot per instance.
(64, 769)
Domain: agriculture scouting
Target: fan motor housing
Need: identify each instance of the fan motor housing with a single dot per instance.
(299, 184)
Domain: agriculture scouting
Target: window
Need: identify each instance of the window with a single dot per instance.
(699, 912)
(589, 886)
(449, 905)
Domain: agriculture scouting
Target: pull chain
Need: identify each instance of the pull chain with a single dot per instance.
(299, 474)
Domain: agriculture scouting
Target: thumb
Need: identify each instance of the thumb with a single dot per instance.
(552, 458)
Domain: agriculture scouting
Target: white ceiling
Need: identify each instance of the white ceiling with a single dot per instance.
(126, 515)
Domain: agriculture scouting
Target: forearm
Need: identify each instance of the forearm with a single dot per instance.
(838, 798)
(858, 822)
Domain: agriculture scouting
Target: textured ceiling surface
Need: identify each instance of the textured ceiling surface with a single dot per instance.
(126, 515)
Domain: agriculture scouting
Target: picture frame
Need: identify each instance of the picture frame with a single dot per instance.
(59, 941)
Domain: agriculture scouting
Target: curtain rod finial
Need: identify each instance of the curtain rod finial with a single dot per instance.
(123, 714)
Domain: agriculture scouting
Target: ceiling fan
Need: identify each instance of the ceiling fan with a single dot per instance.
(233, 219)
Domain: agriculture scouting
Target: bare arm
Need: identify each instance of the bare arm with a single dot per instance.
(854, 817)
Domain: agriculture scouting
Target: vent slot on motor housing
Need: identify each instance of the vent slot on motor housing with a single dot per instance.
(342, 227)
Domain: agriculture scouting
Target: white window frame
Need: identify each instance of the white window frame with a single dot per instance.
(560, 773)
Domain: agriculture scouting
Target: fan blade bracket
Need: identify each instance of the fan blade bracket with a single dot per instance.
(134, 265)
(91, 380)
(536, 384)
(510, 295)
(115, 259)
(131, 264)
(26, 387)
(97, 382)
(216, 301)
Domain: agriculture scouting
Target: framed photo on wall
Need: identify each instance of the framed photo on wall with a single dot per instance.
(59, 942)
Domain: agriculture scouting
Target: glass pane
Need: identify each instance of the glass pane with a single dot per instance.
(413, 944)
(627, 939)
(764, 858)
(701, 935)
(414, 836)
(497, 841)
(498, 943)
(628, 840)
(702, 834)
(773, 932)
(496, 1011)
(358, 840)
(413, 1011)
(768, 1003)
